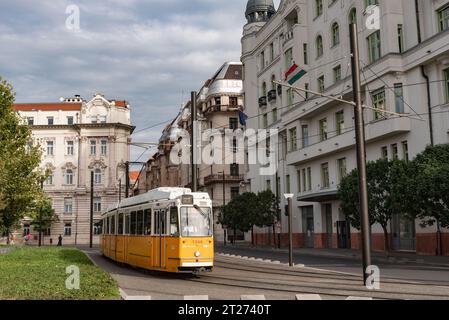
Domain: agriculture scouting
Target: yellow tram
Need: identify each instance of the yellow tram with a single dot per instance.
(166, 229)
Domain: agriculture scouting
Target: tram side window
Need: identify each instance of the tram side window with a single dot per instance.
(108, 225)
(120, 224)
(174, 231)
(157, 223)
(163, 222)
(113, 224)
(133, 223)
(127, 223)
(147, 222)
(140, 222)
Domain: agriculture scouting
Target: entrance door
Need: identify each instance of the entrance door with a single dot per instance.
(329, 226)
(308, 226)
(344, 234)
(404, 234)
(159, 239)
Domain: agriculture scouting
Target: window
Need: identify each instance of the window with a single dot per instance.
(443, 18)
(370, 3)
(68, 206)
(325, 176)
(70, 148)
(353, 16)
(341, 167)
(384, 153)
(337, 73)
(26, 229)
(235, 191)
(446, 84)
(139, 223)
(399, 97)
(298, 177)
(233, 123)
(287, 184)
(320, 82)
(49, 180)
(305, 136)
(69, 120)
(274, 112)
(405, 154)
(335, 34)
(374, 50)
(113, 224)
(319, 46)
(217, 102)
(69, 177)
(50, 148)
(93, 147)
(264, 89)
(98, 228)
(234, 145)
(97, 176)
(147, 222)
(104, 147)
(68, 230)
(174, 230)
(290, 97)
(309, 179)
(304, 180)
(340, 122)
(288, 58)
(401, 38)
(50, 121)
(133, 223)
(233, 101)
(271, 51)
(30, 121)
(127, 224)
(378, 103)
(318, 8)
(306, 54)
(394, 151)
(323, 130)
(262, 60)
(235, 170)
(97, 204)
(293, 140)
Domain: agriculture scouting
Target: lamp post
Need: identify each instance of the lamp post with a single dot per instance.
(289, 198)
(224, 203)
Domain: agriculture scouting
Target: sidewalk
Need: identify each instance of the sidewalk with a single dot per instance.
(393, 257)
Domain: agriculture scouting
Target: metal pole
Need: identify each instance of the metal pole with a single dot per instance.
(224, 203)
(40, 218)
(361, 151)
(193, 142)
(127, 180)
(290, 232)
(120, 190)
(91, 209)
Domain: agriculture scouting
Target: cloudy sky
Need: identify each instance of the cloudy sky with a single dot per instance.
(150, 52)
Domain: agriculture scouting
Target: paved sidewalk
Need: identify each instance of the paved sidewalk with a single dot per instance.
(393, 257)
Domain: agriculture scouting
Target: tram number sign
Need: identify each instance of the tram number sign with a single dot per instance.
(187, 199)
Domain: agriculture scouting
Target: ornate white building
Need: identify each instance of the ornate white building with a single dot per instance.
(78, 137)
(405, 70)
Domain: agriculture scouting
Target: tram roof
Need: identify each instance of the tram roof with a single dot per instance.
(154, 195)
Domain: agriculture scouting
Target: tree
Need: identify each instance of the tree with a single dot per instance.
(19, 161)
(382, 177)
(268, 210)
(43, 215)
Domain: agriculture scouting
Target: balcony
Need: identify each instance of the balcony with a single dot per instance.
(374, 131)
(262, 102)
(287, 37)
(218, 178)
(272, 96)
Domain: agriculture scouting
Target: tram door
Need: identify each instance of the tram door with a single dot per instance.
(159, 237)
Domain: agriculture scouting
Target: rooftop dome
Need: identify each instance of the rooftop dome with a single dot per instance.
(259, 10)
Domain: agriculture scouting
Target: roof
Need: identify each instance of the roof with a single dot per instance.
(47, 106)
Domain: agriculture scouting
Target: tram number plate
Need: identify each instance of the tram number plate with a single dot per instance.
(197, 242)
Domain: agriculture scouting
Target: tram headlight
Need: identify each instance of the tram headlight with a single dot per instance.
(197, 254)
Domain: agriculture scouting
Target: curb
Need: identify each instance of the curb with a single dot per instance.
(125, 296)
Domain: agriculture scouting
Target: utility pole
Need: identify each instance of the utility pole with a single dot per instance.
(120, 190)
(40, 217)
(127, 180)
(224, 203)
(289, 198)
(193, 142)
(91, 208)
(361, 151)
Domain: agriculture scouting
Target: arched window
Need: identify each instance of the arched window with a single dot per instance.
(353, 16)
(335, 34)
(319, 46)
(97, 176)
(69, 177)
(264, 89)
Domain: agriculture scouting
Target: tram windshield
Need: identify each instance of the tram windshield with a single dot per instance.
(196, 222)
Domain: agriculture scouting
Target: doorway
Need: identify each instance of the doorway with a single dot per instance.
(344, 234)
(308, 224)
(327, 209)
(403, 233)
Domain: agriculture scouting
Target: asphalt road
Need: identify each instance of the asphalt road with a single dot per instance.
(233, 277)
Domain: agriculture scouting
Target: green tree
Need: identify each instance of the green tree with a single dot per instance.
(382, 177)
(19, 161)
(43, 215)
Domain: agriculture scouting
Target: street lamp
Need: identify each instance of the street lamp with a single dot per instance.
(224, 203)
(289, 198)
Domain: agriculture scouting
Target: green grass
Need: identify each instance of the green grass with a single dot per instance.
(33, 273)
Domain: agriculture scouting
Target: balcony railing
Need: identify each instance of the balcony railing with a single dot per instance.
(272, 95)
(288, 36)
(214, 178)
(263, 101)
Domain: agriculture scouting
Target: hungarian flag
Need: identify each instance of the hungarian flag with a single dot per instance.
(294, 74)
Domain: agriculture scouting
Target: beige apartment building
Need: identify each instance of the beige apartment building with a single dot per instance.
(219, 102)
(79, 137)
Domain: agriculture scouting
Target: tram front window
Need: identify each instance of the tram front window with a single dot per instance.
(195, 222)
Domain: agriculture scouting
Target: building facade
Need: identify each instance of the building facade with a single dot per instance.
(219, 103)
(405, 70)
(79, 137)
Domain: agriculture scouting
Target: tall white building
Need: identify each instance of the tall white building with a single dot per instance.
(405, 70)
(79, 137)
